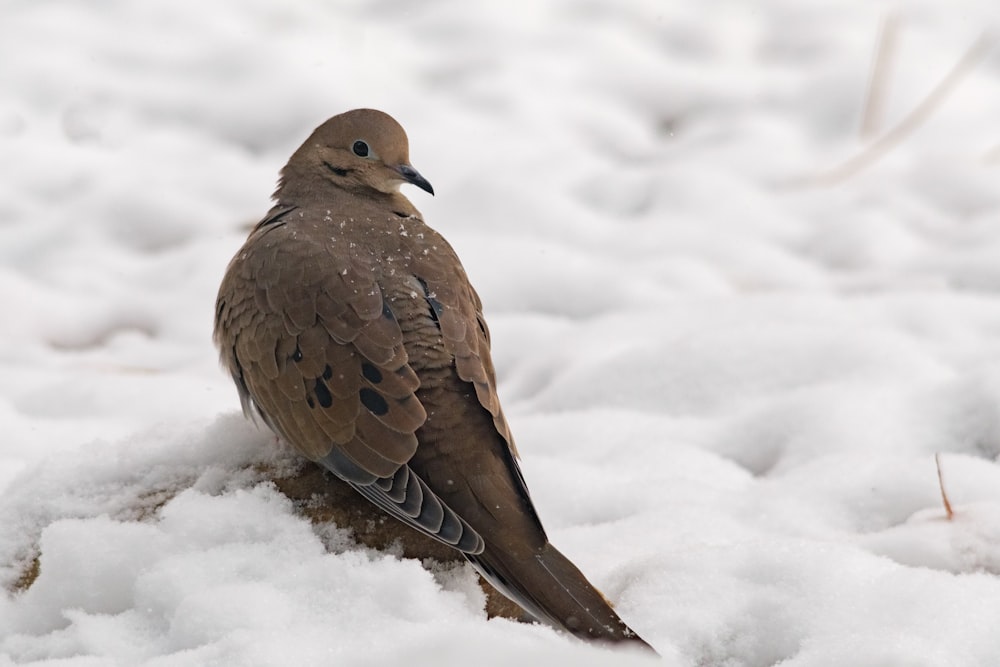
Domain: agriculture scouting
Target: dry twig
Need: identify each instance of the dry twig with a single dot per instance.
(895, 135)
(874, 106)
(949, 514)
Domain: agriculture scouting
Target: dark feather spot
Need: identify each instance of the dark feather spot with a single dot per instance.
(297, 355)
(371, 373)
(339, 171)
(436, 307)
(323, 394)
(387, 312)
(327, 372)
(374, 401)
(310, 401)
(276, 216)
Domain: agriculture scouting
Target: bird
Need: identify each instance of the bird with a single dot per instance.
(350, 328)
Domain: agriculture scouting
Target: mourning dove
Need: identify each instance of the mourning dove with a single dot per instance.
(351, 328)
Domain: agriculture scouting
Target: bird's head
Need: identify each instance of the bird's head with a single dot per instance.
(360, 151)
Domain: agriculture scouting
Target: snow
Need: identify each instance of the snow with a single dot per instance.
(728, 366)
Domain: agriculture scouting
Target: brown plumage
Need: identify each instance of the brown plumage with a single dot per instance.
(350, 326)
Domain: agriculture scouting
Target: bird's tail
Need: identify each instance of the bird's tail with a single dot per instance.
(550, 588)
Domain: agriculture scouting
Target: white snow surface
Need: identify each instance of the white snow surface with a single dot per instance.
(728, 373)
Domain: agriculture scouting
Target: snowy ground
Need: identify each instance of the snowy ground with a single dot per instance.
(727, 366)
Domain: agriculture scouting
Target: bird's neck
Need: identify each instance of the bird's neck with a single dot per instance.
(295, 191)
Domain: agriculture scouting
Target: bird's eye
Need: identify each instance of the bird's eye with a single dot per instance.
(360, 148)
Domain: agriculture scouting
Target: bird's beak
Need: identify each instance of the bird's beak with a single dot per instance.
(411, 175)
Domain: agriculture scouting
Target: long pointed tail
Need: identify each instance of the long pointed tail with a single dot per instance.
(549, 587)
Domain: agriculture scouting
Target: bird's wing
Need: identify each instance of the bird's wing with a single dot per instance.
(317, 350)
